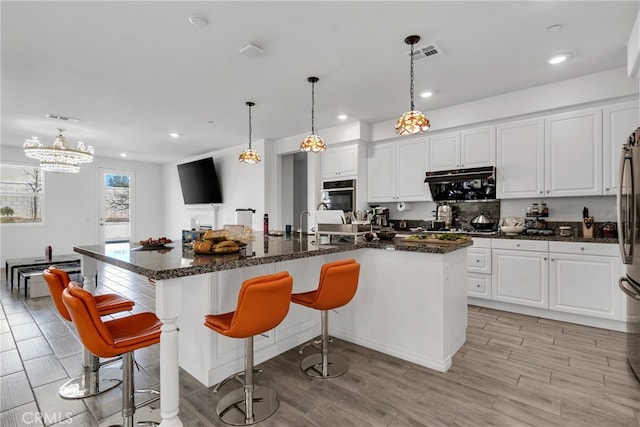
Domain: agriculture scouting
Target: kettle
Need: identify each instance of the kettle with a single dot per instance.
(445, 214)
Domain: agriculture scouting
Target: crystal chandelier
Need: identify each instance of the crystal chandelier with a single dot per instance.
(249, 155)
(412, 121)
(58, 157)
(312, 142)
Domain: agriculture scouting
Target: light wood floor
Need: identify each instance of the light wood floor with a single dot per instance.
(514, 370)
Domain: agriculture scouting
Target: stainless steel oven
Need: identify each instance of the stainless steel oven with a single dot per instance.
(339, 194)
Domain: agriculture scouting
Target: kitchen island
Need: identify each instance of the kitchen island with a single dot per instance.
(411, 302)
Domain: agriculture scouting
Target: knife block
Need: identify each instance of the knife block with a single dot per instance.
(587, 227)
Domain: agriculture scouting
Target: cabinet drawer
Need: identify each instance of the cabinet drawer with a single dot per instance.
(479, 260)
(479, 242)
(582, 248)
(479, 285)
(520, 245)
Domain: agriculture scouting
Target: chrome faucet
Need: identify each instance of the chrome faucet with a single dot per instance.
(301, 217)
(322, 205)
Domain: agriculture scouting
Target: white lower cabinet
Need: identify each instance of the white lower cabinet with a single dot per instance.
(479, 269)
(520, 277)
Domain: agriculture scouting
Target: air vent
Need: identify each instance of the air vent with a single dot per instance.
(425, 52)
(63, 118)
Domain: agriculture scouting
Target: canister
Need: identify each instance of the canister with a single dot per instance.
(565, 231)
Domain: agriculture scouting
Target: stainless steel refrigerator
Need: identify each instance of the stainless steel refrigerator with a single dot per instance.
(629, 238)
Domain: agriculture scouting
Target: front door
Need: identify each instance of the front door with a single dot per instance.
(116, 205)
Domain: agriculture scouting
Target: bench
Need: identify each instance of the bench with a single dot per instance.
(28, 273)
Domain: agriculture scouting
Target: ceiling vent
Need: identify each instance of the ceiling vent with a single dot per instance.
(423, 53)
(63, 118)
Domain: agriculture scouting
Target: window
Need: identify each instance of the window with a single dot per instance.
(21, 194)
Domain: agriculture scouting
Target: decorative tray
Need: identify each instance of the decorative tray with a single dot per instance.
(150, 243)
(433, 239)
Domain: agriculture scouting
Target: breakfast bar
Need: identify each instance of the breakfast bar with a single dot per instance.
(411, 301)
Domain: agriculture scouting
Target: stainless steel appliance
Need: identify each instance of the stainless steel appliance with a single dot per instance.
(462, 184)
(339, 195)
(629, 239)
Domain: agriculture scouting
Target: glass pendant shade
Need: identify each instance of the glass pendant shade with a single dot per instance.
(58, 157)
(312, 143)
(412, 122)
(249, 155)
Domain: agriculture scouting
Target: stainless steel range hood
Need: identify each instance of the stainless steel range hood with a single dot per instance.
(457, 175)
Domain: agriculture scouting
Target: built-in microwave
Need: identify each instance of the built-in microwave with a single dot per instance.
(339, 194)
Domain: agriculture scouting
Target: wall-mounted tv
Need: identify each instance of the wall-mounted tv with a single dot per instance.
(199, 182)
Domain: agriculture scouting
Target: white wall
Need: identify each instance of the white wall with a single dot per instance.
(71, 208)
(243, 186)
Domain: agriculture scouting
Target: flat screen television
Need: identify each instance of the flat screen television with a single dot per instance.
(199, 182)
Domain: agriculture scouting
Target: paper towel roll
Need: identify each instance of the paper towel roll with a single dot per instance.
(402, 206)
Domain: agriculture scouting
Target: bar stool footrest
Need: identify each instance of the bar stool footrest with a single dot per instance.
(91, 383)
(231, 407)
(145, 416)
(312, 365)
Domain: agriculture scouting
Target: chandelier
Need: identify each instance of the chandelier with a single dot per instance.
(412, 121)
(312, 142)
(59, 157)
(249, 155)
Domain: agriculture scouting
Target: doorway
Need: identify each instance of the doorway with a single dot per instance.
(294, 188)
(117, 190)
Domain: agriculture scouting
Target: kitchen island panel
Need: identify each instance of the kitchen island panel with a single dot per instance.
(408, 305)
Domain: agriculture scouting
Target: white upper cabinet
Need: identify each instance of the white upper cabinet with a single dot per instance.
(520, 159)
(340, 162)
(467, 149)
(618, 122)
(573, 154)
(396, 171)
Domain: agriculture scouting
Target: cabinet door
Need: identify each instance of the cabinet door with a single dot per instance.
(329, 163)
(348, 161)
(585, 285)
(573, 154)
(381, 181)
(520, 277)
(520, 159)
(618, 122)
(411, 165)
(444, 151)
(478, 147)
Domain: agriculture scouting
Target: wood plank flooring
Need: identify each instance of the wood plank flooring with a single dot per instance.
(514, 370)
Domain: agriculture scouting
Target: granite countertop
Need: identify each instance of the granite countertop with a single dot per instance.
(551, 238)
(174, 261)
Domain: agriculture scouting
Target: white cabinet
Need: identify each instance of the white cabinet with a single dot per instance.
(618, 122)
(339, 162)
(479, 269)
(585, 284)
(520, 272)
(520, 159)
(466, 149)
(573, 154)
(396, 170)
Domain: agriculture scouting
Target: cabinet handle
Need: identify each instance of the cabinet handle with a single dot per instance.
(582, 249)
(477, 286)
(548, 191)
(517, 245)
(541, 191)
(477, 260)
(606, 189)
(552, 259)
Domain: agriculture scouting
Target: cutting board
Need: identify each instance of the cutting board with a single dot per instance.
(436, 241)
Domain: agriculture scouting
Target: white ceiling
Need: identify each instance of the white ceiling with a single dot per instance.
(134, 71)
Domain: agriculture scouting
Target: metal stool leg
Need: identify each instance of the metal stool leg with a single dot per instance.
(323, 365)
(92, 381)
(250, 404)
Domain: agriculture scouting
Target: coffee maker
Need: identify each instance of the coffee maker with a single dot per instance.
(380, 216)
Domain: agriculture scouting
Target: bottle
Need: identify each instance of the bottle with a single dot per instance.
(544, 211)
(535, 210)
(265, 227)
(48, 253)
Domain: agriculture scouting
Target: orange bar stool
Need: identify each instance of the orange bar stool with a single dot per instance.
(118, 337)
(95, 379)
(263, 302)
(338, 284)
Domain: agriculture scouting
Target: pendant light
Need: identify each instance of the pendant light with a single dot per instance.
(413, 121)
(312, 142)
(249, 155)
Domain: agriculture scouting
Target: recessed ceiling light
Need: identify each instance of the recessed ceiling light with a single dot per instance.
(174, 135)
(426, 94)
(557, 59)
(342, 117)
(123, 154)
(198, 21)
(554, 27)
